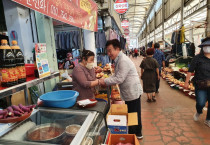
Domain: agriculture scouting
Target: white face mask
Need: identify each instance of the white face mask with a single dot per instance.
(89, 65)
(206, 49)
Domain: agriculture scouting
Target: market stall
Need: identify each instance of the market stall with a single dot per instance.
(175, 75)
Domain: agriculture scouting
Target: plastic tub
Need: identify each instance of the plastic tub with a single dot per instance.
(60, 99)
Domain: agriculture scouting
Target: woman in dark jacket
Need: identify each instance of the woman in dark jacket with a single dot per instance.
(150, 74)
(201, 66)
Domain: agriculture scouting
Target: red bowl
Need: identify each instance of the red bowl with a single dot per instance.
(90, 105)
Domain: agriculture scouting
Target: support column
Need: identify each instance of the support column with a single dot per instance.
(89, 42)
(146, 36)
(208, 19)
(191, 34)
(163, 21)
(182, 12)
(154, 27)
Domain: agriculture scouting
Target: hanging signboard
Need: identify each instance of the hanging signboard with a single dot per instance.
(41, 60)
(125, 24)
(121, 6)
(79, 13)
(126, 31)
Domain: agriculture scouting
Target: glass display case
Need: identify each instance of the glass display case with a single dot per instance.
(60, 126)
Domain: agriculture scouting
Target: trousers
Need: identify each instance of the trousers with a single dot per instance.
(135, 106)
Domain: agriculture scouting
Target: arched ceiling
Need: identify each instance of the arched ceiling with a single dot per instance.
(138, 9)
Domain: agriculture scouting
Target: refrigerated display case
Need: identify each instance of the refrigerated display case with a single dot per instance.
(93, 129)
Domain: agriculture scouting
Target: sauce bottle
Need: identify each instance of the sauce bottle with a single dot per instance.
(7, 65)
(20, 64)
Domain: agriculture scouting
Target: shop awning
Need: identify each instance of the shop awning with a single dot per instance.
(79, 13)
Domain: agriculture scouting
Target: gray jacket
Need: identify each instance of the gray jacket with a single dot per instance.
(127, 77)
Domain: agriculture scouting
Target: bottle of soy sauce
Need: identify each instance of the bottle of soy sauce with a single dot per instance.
(7, 65)
(20, 64)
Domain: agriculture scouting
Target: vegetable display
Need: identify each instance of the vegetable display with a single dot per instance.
(16, 111)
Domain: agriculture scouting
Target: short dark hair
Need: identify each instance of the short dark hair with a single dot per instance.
(157, 45)
(86, 54)
(115, 43)
(150, 51)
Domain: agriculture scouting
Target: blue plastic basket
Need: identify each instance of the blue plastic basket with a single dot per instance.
(60, 99)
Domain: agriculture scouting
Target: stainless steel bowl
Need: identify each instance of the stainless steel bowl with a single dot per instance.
(73, 125)
(51, 140)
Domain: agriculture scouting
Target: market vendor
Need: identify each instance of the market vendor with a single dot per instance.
(201, 66)
(83, 76)
(128, 79)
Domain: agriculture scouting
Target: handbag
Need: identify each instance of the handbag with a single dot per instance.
(203, 84)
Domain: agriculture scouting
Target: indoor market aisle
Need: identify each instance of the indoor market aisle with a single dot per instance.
(169, 121)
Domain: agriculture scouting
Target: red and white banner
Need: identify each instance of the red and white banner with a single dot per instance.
(79, 13)
(126, 31)
(121, 6)
(125, 24)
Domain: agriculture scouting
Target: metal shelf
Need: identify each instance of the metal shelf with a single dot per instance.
(24, 86)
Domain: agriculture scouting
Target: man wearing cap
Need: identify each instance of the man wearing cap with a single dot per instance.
(201, 66)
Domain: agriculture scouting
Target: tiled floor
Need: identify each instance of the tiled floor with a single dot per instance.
(169, 121)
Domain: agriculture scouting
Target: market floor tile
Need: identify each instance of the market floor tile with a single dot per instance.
(169, 121)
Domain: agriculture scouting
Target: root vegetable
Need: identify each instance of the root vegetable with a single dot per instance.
(1, 116)
(5, 115)
(10, 111)
(31, 106)
(17, 108)
(17, 113)
(3, 112)
(24, 108)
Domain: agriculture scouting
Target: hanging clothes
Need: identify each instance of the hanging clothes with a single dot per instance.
(100, 38)
(173, 37)
(112, 34)
(122, 42)
(182, 35)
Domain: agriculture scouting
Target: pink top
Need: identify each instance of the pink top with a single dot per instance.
(82, 78)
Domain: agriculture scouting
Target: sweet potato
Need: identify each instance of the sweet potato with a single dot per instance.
(5, 115)
(17, 113)
(31, 106)
(1, 116)
(3, 112)
(10, 111)
(17, 108)
(24, 108)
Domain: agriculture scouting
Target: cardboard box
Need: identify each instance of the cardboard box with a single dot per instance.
(117, 124)
(123, 138)
(122, 109)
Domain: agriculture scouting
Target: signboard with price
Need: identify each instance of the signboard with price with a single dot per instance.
(121, 6)
(79, 13)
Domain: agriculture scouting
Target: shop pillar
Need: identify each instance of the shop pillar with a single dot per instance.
(208, 19)
(45, 33)
(89, 42)
(163, 22)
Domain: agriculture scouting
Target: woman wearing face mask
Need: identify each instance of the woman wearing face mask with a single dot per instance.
(201, 66)
(84, 78)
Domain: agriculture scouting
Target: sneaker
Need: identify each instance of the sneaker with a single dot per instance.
(149, 100)
(207, 122)
(153, 99)
(196, 116)
(139, 136)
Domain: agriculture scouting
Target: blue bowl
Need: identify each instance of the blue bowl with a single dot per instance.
(60, 99)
